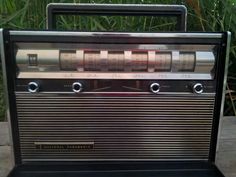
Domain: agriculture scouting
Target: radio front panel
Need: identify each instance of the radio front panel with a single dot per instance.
(116, 97)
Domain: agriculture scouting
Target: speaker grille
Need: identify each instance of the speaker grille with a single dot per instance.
(142, 127)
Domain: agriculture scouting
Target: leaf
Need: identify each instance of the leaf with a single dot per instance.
(11, 17)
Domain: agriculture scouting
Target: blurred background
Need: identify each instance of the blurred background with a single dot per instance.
(203, 15)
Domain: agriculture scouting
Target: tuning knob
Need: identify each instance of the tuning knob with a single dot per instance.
(155, 87)
(198, 88)
(33, 87)
(77, 87)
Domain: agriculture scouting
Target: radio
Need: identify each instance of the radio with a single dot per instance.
(110, 103)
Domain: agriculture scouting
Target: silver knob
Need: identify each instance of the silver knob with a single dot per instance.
(198, 88)
(33, 87)
(77, 87)
(155, 87)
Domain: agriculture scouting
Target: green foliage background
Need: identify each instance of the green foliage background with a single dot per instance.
(203, 15)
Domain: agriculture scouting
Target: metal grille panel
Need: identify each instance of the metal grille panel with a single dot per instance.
(143, 127)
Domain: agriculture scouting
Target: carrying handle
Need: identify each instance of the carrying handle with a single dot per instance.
(178, 11)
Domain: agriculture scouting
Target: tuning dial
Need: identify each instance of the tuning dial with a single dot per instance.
(33, 87)
(198, 88)
(155, 87)
(77, 87)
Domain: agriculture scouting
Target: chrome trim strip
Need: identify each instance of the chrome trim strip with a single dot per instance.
(224, 85)
(118, 93)
(116, 34)
(112, 75)
(2, 54)
(48, 47)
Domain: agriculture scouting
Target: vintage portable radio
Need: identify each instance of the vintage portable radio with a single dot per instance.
(114, 103)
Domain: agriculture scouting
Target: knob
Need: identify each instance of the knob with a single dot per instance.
(77, 87)
(155, 87)
(198, 88)
(33, 87)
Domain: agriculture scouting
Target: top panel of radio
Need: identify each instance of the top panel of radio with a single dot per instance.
(116, 61)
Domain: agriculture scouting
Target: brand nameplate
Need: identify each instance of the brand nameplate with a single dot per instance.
(64, 146)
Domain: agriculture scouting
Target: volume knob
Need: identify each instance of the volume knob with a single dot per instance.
(77, 87)
(33, 87)
(155, 87)
(198, 88)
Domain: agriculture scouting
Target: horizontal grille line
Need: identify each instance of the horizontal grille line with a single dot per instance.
(116, 116)
(108, 142)
(99, 136)
(117, 125)
(112, 156)
(120, 140)
(155, 137)
(133, 131)
(116, 108)
(171, 151)
(120, 113)
(139, 97)
(123, 147)
(118, 145)
(97, 122)
(95, 104)
(112, 121)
